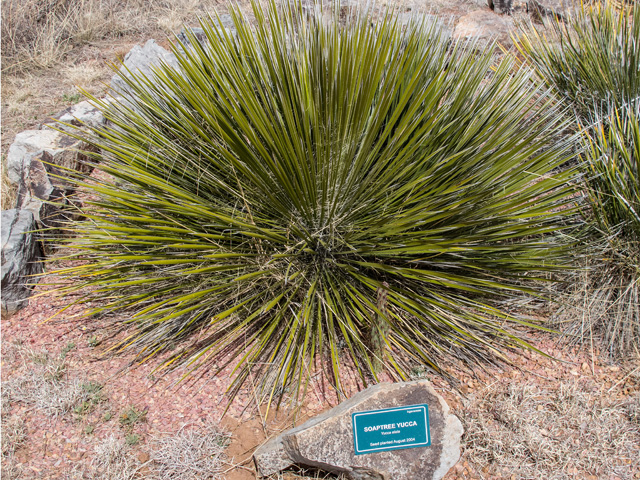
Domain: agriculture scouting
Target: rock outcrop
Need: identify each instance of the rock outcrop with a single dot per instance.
(40, 163)
(141, 60)
(21, 255)
(82, 114)
(326, 441)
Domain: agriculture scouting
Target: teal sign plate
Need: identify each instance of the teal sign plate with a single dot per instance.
(391, 429)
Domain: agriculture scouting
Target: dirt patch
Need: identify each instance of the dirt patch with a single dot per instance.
(61, 445)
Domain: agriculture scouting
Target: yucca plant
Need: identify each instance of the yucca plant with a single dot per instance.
(608, 295)
(308, 194)
(591, 59)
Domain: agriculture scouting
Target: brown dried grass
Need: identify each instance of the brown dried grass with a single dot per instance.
(13, 436)
(49, 47)
(190, 454)
(529, 431)
(45, 384)
(39, 33)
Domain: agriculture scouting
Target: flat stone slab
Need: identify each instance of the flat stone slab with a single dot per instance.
(82, 114)
(327, 441)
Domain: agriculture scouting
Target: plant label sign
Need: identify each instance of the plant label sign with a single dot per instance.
(391, 429)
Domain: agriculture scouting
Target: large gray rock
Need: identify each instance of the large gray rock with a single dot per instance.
(82, 114)
(31, 143)
(21, 255)
(48, 193)
(49, 145)
(141, 60)
(225, 21)
(326, 441)
(484, 26)
(41, 163)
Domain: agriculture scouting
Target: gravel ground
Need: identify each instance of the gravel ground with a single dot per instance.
(68, 352)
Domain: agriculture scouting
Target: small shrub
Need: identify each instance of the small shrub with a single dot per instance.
(82, 408)
(311, 194)
(132, 439)
(94, 390)
(71, 97)
(93, 395)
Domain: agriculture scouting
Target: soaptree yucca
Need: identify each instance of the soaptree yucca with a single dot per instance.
(591, 60)
(308, 193)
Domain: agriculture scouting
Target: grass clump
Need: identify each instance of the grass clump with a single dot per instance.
(190, 454)
(46, 385)
(357, 193)
(592, 61)
(112, 459)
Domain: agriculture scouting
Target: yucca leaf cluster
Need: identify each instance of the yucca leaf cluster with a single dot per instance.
(309, 194)
(610, 296)
(591, 59)
(592, 62)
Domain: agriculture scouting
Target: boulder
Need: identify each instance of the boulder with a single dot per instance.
(79, 115)
(49, 145)
(141, 59)
(327, 441)
(47, 193)
(541, 9)
(484, 26)
(21, 255)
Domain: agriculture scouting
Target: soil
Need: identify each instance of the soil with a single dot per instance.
(56, 445)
